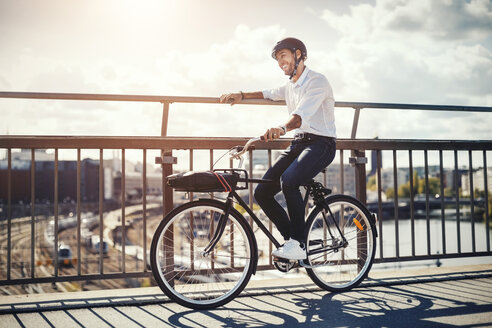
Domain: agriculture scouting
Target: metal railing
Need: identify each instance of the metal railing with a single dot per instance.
(390, 228)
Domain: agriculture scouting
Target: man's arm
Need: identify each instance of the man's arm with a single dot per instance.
(234, 98)
(294, 122)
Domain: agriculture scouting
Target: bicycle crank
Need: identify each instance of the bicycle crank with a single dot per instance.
(283, 265)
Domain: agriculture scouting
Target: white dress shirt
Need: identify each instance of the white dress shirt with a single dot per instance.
(310, 97)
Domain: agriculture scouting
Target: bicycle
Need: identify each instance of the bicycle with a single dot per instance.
(204, 252)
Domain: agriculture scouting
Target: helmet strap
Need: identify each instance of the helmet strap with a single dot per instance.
(297, 61)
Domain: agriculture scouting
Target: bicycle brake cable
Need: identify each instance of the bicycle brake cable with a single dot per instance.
(227, 152)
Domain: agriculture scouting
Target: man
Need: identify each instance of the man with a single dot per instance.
(310, 103)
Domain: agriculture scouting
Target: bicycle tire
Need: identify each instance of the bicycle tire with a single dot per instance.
(181, 270)
(334, 267)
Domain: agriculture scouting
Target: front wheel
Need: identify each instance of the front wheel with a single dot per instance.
(341, 243)
(185, 271)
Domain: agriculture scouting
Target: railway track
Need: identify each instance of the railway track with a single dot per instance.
(44, 257)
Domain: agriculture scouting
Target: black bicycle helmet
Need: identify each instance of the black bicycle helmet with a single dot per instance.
(292, 44)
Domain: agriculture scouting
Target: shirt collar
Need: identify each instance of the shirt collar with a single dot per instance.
(302, 78)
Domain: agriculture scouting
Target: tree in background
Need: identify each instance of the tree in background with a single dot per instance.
(390, 193)
(372, 183)
(416, 184)
(419, 187)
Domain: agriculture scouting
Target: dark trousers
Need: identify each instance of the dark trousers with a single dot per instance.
(297, 165)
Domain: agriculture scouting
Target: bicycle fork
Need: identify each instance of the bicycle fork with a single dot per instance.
(219, 229)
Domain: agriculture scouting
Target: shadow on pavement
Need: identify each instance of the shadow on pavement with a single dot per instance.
(426, 305)
(427, 302)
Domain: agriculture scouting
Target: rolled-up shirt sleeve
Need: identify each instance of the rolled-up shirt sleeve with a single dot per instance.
(311, 100)
(275, 94)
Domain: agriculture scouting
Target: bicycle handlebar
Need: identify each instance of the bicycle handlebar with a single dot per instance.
(238, 151)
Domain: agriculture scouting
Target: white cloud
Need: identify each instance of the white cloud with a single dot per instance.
(4, 84)
(438, 19)
(414, 41)
(414, 52)
(242, 63)
(391, 51)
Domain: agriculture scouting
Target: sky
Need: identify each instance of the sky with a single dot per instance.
(435, 52)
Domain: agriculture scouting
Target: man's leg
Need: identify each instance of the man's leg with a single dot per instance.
(265, 194)
(314, 157)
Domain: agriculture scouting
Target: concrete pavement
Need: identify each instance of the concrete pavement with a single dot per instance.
(434, 297)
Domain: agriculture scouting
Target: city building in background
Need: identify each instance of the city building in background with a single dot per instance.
(478, 178)
(44, 177)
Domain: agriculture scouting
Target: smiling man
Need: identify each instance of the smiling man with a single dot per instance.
(310, 104)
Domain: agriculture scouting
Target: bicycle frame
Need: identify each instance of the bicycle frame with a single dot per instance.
(313, 189)
(234, 196)
(328, 216)
(223, 219)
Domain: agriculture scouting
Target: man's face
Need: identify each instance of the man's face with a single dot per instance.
(286, 61)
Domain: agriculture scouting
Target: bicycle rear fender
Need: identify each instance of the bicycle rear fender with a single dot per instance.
(371, 216)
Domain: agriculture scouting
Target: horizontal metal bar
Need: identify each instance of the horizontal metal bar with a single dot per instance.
(414, 107)
(216, 100)
(41, 280)
(151, 142)
(431, 257)
(44, 280)
(132, 98)
(82, 303)
(41, 142)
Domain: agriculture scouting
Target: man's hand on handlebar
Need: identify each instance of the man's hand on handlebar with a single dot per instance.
(273, 133)
(238, 151)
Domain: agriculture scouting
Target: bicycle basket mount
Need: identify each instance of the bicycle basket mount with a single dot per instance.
(205, 181)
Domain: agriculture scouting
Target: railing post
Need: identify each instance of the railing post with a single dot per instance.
(355, 123)
(9, 212)
(359, 160)
(167, 198)
(166, 163)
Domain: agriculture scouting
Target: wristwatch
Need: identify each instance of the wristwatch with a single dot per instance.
(284, 128)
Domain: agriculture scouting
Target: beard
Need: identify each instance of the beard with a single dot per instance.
(288, 69)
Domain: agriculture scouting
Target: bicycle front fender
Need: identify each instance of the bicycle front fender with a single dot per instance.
(221, 227)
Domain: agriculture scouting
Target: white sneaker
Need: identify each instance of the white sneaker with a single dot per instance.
(291, 250)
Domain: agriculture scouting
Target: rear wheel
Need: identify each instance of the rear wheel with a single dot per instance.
(340, 258)
(189, 275)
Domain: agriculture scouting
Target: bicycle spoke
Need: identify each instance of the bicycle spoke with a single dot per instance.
(341, 258)
(197, 279)
(235, 257)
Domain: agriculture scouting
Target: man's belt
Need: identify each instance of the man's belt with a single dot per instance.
(309, 136)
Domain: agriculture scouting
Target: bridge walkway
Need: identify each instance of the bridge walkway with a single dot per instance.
(431, 297)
